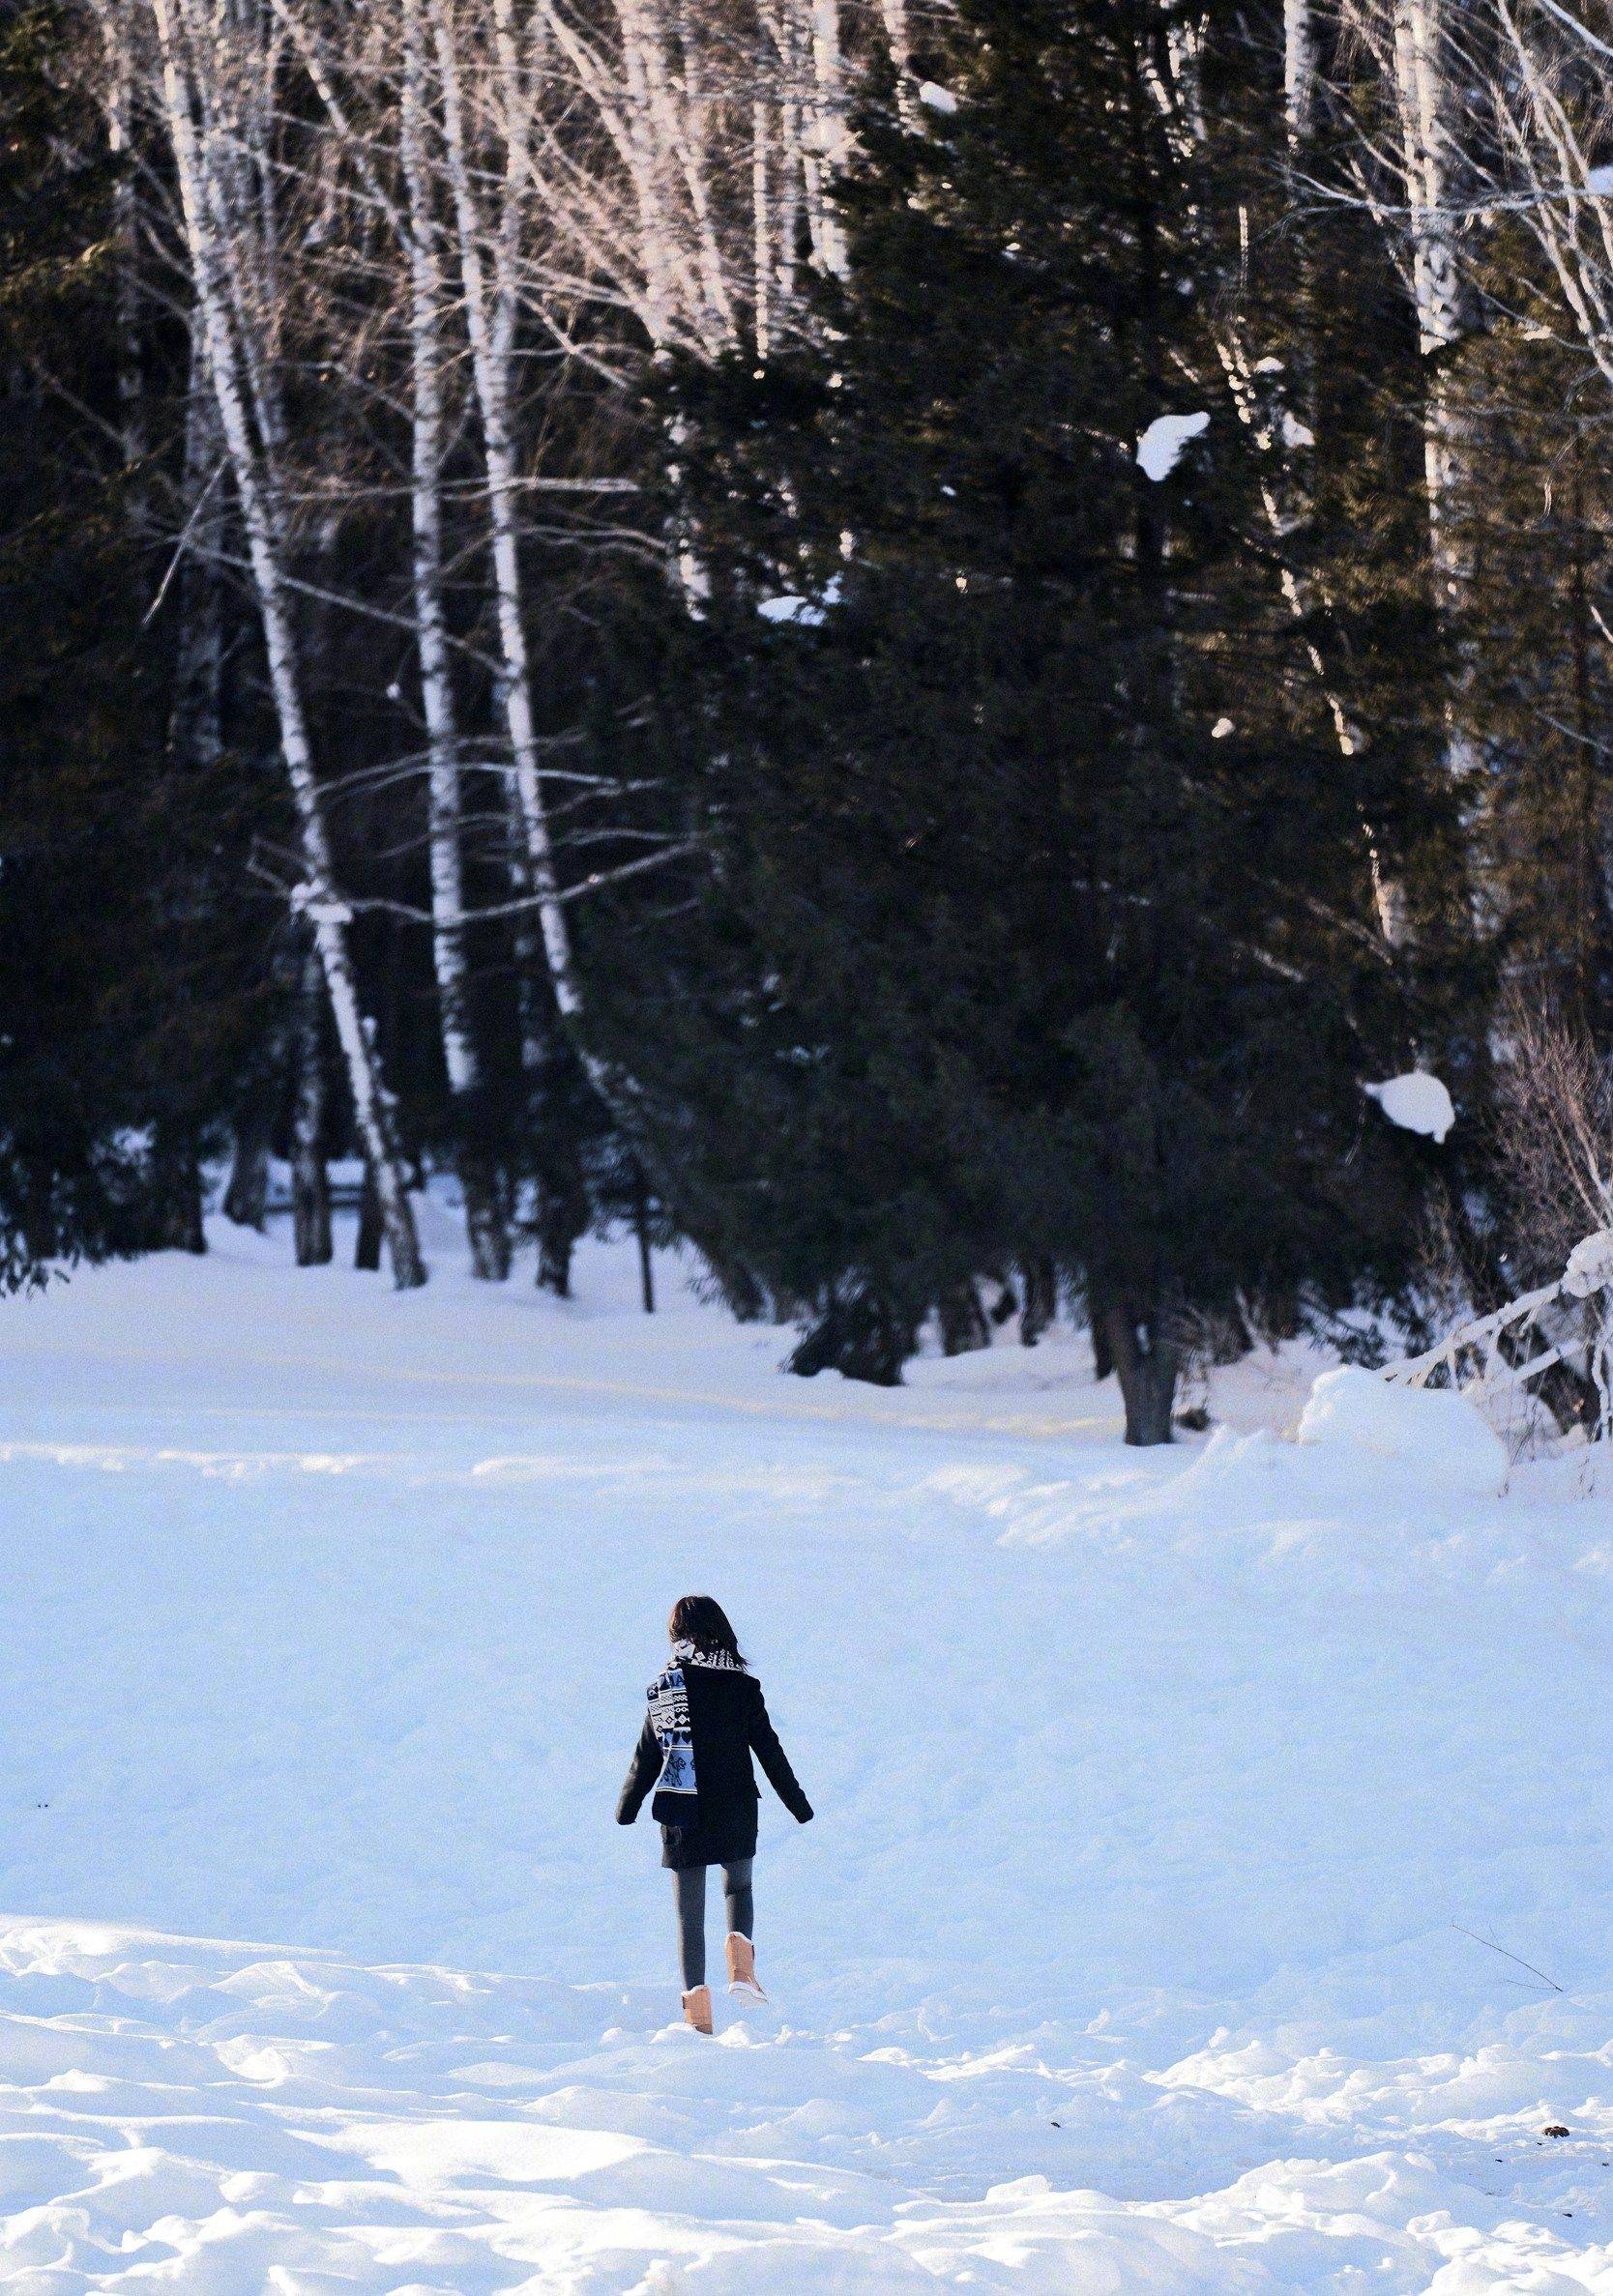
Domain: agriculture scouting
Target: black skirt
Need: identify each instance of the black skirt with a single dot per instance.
(715, 1843)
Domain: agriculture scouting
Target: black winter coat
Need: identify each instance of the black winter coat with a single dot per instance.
(728, 1722)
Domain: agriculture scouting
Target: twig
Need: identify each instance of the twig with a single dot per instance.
(1507, 1956)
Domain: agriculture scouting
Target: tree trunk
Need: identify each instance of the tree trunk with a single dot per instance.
(828, 143)
(898, 42)
(1429, 91)
(669, 109)
(1006, 1306)
(1279, 1312)
(554, 1094)
(196, 721)
(485, 1222)
(39, 1231)
(1145, 1358)
(310, 1187)
(641, 1229)
(125, 234)
(367, 1251)
(246, 1200)
(1041, 1285)
(962, 1321)
(241, 379)
(761, 230)
(487, 329)
(489, 307)
(176, 1191)
(560, 1217)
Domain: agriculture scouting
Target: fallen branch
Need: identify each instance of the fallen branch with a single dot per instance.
(1507, 1956)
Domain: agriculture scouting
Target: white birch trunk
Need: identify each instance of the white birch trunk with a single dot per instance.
(1291, 507)
(687, 121)
(1299, 71)
(195, 728)
(490, 376)
(488, 1238)
(255, 478)
(898, 42)
(830, 140)
(126, 232)
(790, 195)
(1427, 101)
(488, 304)
(761, 230)
(672, 285)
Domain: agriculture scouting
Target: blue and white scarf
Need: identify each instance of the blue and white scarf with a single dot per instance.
(668, 1695)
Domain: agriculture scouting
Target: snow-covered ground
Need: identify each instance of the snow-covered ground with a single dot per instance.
(1156, 1795)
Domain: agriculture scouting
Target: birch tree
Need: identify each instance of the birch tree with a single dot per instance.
(1412, 168)
(486, 250)
(1428, 92)
(202, 46)
(489, 1235)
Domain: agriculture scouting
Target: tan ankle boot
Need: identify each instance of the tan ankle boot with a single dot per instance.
(697, 2008)
(742, 1967)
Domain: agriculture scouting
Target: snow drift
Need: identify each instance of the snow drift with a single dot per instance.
(1157, 1793)
(1432, 1431)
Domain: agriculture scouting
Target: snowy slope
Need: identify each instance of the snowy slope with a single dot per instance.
(1120, 1955)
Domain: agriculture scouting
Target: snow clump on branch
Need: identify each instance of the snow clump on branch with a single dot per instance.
(1417, 1102)
(1160, 449)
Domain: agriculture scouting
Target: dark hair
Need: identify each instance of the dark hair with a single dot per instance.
(700, 1619)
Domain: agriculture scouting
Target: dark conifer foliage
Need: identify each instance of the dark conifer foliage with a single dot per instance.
(910, 674)
(1056, 909)
(133, 973)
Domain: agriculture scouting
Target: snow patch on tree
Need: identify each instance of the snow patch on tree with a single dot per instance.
(1417, 1102)
(1160, 449)
(806, 612)
(1590, 1267)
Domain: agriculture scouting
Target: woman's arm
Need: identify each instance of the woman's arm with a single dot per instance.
(764, 1738)
(642, 1772)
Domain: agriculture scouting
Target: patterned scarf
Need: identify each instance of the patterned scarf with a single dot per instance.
(668, 1695)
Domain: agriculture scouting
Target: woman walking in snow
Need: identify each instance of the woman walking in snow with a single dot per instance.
(707, 1717)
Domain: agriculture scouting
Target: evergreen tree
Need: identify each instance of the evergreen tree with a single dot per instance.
(131, 975)
(1061, 911)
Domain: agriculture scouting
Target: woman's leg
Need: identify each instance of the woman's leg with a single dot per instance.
(738, 1896)
(689, 1892)
(741, 1908)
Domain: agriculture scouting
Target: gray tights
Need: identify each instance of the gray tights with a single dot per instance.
(688, 1890)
